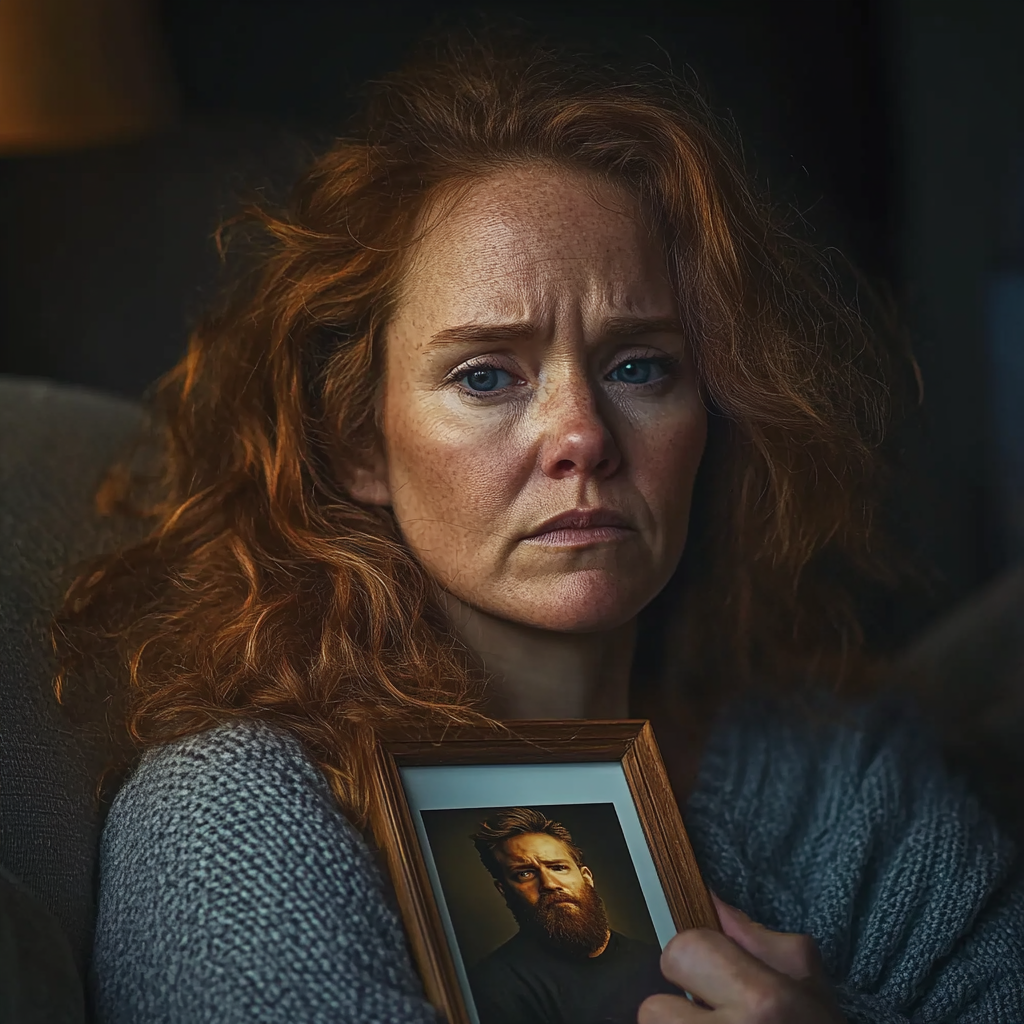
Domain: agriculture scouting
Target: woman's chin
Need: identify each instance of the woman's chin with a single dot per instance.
(575, 603)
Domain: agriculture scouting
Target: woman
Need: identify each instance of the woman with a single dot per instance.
(512, 347)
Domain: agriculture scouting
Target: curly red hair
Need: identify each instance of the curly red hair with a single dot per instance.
(263, 589)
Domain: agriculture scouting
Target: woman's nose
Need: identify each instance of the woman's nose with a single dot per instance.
(576, 437)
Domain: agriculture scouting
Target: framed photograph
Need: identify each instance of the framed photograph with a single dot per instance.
(539, 870)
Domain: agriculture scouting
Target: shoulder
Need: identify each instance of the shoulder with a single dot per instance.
(231, 879)
(761, 743)
(506, 968)
(238, 751)
(845, 824)
(635, 948)
(500, 960)
(847, 786)
(786, 778)
(508, 984)
(235, 769)
(242, 791)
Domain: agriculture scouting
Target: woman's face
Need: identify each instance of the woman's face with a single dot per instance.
(542, 424)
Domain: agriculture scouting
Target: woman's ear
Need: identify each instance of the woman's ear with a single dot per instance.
(367, 481)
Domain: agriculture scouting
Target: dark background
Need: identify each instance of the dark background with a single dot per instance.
(480, 918)
(893, 124)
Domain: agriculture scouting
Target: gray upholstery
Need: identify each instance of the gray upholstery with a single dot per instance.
(55, 443)
(38, 980)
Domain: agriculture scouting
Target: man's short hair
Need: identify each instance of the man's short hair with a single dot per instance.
(518, 821)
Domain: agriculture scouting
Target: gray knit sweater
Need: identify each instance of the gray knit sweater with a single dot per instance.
(232, 888)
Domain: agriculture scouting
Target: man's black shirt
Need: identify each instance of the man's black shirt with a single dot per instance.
(525, 981)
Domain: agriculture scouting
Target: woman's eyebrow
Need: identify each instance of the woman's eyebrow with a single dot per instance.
(475, 333)
(614, 327)
(630, 326)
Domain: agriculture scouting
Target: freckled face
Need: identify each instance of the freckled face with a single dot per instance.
(541, 418)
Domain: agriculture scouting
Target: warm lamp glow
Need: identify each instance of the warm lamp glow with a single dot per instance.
(79, 72)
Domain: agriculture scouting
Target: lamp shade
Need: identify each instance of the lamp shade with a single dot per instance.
(80, 72)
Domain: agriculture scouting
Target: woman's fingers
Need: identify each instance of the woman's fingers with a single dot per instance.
(793, 955)
(713, 967)
(664, 1009)
(746, 973)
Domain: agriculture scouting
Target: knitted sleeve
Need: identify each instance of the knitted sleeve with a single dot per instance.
(851, 831)
(233, 889)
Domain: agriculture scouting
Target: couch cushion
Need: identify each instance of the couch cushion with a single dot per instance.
(38, 981)
(55, 443)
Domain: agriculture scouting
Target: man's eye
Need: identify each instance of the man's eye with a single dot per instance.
(485, 378)
(639, 371)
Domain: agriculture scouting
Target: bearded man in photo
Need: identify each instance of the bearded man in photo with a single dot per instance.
(565, 965)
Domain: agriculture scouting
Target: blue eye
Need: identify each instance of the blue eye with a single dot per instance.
(638, 371)
(486, 378)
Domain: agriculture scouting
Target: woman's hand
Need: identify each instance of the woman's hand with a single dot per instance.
(748, 975)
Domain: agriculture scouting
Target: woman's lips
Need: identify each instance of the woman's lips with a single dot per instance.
(581, 527)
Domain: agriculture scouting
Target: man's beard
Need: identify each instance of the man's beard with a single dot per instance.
(575, 924)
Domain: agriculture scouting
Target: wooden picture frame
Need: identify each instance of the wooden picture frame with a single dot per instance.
(626, 745)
